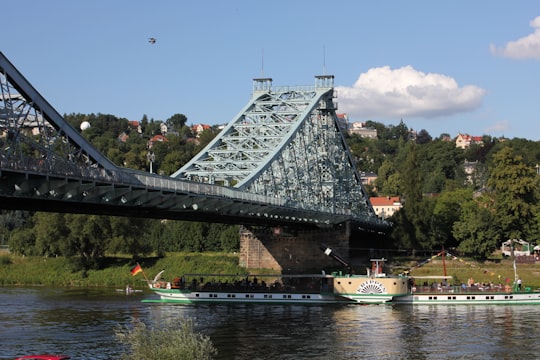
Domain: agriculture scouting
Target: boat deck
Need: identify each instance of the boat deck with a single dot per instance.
(469, 295)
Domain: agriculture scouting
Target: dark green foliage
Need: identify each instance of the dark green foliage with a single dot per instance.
(5, 260)
(171, 340)
(194, 236)
(476, 231)
(514, 195)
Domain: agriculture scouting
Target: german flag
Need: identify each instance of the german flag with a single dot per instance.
(136, 269)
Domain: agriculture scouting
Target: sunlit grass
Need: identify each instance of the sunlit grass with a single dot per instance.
(17, 270)
(501, 271)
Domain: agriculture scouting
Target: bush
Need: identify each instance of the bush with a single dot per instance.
(172, 341)
(5, 260)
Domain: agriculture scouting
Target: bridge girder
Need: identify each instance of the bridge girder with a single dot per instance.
(286, 143)
(283, 161)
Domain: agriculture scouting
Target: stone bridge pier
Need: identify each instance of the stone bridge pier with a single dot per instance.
(292, 251)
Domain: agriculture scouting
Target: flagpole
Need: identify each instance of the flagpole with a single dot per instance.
(144, 274)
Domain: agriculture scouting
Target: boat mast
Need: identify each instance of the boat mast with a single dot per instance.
(513, 254)
(443, 262)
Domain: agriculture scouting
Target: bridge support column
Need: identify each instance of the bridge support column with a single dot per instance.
(291, 251)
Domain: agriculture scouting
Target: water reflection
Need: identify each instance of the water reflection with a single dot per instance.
(81, 322)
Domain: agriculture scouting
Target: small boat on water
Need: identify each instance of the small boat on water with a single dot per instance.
(376, 287)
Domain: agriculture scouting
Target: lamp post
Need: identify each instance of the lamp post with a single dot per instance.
(151, 158)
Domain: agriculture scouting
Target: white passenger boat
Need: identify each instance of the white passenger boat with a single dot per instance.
(470, 298)
(439, 292)
(376, 287)
(270, 289)
(274, 289)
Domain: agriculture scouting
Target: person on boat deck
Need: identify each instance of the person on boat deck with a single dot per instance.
(519, 283)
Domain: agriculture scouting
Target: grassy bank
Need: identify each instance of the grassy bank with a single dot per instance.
(16, 270)
(482, 272)
(36, 271)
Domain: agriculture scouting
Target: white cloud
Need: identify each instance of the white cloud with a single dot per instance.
(527, 47)
(405, 92)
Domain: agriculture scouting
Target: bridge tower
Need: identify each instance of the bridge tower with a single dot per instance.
(287, 143)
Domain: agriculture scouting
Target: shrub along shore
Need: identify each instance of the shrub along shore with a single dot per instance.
(38, 271)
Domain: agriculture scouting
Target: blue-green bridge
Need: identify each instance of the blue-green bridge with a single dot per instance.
(282, 162)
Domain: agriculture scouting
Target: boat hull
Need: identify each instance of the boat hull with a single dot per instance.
(192, 297)
(514, 298)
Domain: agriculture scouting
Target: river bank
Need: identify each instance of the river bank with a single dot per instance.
(38, 271)
(60, 271)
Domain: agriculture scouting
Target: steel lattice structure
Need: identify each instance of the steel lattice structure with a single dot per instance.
(286, 143)
(282, 161)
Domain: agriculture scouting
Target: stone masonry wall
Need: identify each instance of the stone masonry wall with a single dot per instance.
(291, 252)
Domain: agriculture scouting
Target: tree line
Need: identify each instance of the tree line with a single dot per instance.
(442, 204)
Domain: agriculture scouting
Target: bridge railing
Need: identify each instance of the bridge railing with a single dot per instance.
(129, 177)
(164, 183)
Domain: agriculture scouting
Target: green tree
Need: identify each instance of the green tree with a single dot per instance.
(476, 230)
(87, 239)
(447, 211)
(230, 239)
(423, 137)
(22, 241)
(388, 179)
(414, 219)
(129, 236)
(50, 232)
(399, 131)
(177, 121)
(438, 160)
(514, 195)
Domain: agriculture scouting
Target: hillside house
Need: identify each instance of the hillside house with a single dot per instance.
(385, 206)
(463, 141)
(360, 129)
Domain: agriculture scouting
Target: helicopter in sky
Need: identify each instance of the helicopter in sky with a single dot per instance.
(152, 40)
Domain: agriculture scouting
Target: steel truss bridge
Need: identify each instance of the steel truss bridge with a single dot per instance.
(282, 161)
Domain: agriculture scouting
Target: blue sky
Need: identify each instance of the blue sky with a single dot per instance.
(448, 67)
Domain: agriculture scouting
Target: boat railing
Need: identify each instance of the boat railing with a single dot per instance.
(460, 289)
(252, 285)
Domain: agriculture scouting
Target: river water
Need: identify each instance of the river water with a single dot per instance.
(81, 323)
